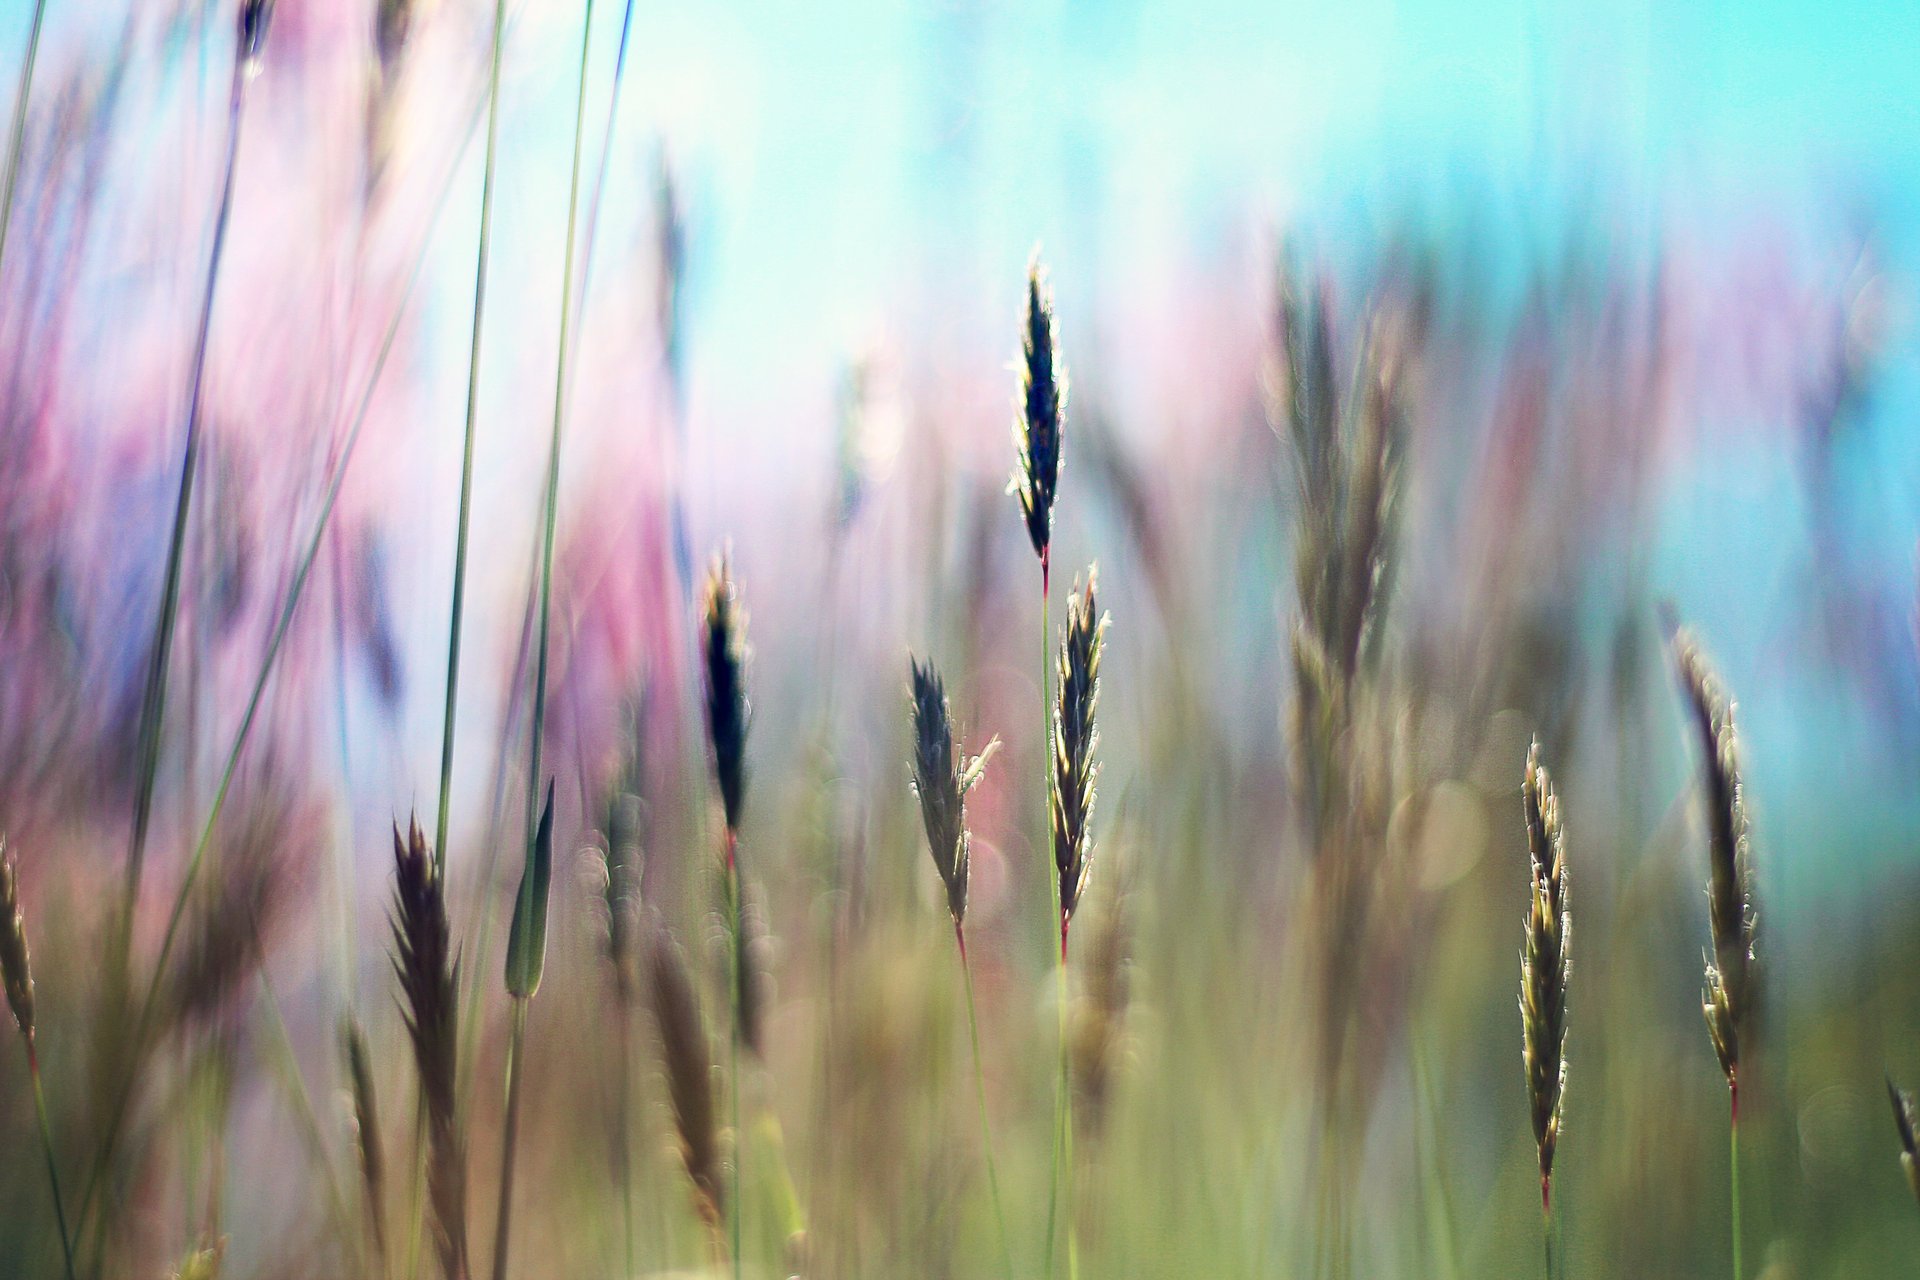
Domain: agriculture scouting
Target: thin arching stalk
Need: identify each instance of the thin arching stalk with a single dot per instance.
(537, 726)
(46, 1146)
(466, 452)
(153, 702)
(733, 1043)
(16, 142)
(143, 1021)
(510, 1138)
(1733, 1143)
(980, 1091)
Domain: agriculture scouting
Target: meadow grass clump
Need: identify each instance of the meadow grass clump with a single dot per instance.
(1731, 978)
(943, 774)
(429, 976)
(1545, 966)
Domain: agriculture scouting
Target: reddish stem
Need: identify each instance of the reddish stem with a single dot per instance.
(1733, 1094)
(960, 936)
(1546, 1194)
(733, 840)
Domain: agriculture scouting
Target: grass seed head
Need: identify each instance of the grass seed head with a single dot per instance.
(942, 776)
(687, 1059)
(1730, 972)
(16, 969)
(1071, 796)
(1904, 1119)
(527, 938)
(1545, 962)
(255, 17)
(1043, 397)
(724, 654)
(429, 987)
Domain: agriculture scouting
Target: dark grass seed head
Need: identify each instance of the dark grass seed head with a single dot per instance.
(1038, 432)
(1730, 971)
(1545, 962)
(16, 968)
(724, 656)
(429, 986)
(942, 776)
(366, 1128)
(1074, 742)
(255, 17)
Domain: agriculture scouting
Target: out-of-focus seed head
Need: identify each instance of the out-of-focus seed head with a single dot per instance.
(392, 23)
(255, 17)
(1038, 430)
(1904, 1119)
(1074, 741)
(724, 655)
(16, 969)
(1545, 963)
(942, 776)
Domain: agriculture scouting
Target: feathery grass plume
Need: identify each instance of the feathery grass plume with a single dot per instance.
(1545, 965)
(366, 1131)
(687, 1060)
(1038, 431)
(724, 654)
(429, 985)
(1074, 741)
(942, 776)
(1731, 976)
(1904, 1119)
(16, 975)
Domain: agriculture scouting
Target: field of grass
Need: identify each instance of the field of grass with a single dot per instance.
(1382, 757)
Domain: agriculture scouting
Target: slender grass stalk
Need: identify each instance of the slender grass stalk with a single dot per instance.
(143, 1020)
(1904, 1123)
(980, 1092)
(1733, 1178)
(153, 703)
(510, 1138)
(466, 452)
(734, 1221)
(17, 140)
(46, 1148)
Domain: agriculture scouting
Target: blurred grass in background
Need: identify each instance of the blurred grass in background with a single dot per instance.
(1656, 348)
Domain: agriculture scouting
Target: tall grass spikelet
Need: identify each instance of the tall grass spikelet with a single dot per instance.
(1730, 972)
(724, 658)
(1545, 965)
(687, 1062)
(429, 985)
(366, 1136)
(942, 776)
(255, 17)
(1075, 739)
(1905, 1120)
(1040, 427)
